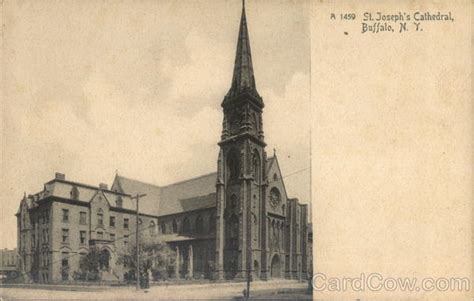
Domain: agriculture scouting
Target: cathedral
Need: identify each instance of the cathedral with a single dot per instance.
(222, 225)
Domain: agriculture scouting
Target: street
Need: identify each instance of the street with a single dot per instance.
(276, 289)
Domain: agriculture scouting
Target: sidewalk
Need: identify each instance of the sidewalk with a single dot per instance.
(227, 291)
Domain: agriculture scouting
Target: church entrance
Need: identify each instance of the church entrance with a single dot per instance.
(275, 267)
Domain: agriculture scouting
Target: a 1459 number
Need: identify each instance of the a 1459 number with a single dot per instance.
(348, 17)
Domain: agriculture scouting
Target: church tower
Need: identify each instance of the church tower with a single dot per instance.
(240, 236)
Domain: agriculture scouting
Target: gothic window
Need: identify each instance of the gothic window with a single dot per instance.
(254, 123)
(199, 224)
(233, 165)
(233, 202)
(275, 177)
(235, 120)
(186, 226)
(175, 226)
(256, 166)
(74, 193)
(232, 233)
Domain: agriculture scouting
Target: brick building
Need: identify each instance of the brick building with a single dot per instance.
(221, 225)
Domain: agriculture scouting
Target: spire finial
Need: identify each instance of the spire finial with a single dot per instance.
(243, 78)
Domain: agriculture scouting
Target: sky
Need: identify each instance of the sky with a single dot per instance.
(91, 88)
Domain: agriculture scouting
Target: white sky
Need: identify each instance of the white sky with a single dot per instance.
(91, 87)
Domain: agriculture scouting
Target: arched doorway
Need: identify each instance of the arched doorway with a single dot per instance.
(104, 258)
(275, 267)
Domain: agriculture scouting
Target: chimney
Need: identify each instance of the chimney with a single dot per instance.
(103, 186)
(60, 176)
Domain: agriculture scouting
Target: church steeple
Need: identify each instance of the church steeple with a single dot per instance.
(243, 79)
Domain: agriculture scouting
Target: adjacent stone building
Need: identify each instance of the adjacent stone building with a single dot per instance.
(60, 224)
(222, 225)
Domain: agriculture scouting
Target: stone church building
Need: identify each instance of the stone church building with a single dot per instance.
(222, 225)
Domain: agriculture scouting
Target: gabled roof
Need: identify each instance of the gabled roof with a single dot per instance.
(148, 203)
(269, 164)
(187, 195)
(191, 194)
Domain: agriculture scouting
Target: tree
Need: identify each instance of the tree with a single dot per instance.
(155, 257)
(89, 266)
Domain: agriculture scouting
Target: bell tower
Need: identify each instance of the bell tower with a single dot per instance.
(240, 236)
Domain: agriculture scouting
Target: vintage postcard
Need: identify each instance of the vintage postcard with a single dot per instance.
(236, 150)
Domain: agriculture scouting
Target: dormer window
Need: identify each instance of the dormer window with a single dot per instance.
(119, 202)
(74, 193)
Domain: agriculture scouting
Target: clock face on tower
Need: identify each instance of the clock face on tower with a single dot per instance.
(275, 197)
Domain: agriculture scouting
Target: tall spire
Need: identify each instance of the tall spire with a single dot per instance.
(243, 78)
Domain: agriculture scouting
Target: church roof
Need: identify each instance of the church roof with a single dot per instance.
(188, 195)
(243, 77)
(148, 203)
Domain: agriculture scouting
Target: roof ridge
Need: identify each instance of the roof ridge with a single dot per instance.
(140, 181)
(189, 179)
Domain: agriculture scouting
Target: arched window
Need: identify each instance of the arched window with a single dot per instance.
(256, 166)
(232, 232)
(233, 165)
(186, 226)
(104, 257)
(163, 228)
(152, 228)
(233, 201)
(212, 222)
(199, 224)
(175, 226)
(254, 121)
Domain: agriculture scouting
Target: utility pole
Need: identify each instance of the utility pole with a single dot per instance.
(137, 239)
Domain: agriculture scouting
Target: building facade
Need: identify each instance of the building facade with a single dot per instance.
(63, 222)
(223, 225)
(8, 263)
